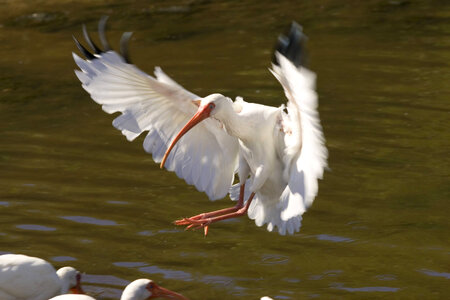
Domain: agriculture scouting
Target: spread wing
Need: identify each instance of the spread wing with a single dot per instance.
(205, 157)
(302, 141)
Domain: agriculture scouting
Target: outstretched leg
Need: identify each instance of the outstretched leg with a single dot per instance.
(205, 219)
(219, 212)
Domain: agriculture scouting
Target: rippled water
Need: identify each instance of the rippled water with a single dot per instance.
(75, 192)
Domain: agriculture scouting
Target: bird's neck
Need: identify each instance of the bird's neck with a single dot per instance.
(132, 295)
(65, 286)
(235, 124)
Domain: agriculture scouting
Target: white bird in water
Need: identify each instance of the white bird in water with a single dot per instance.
(277, 152)
(140, 289)
(31, 278)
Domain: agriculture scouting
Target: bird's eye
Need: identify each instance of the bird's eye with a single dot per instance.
(151, 285)
(211, 105)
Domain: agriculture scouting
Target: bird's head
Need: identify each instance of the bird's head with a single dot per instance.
(212, 105)
(70, 280)
(143, 289)
(215, 104)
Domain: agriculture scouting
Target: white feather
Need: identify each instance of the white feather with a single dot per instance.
(72, 297)
(31, 278)
(305, 155)
(205, 157)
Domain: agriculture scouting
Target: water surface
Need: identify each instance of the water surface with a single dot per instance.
(75, 192)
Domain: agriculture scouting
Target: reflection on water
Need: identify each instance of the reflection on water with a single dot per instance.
(436, 274)
(332, 238)
(367, 289)
(169, 274)
(74, 191)
(99, 286)
(126, 264)
(35, 227)
(274, 259)
(89, 220)
(63, 258)
(161, 231)
(386, 277)
(104, 279)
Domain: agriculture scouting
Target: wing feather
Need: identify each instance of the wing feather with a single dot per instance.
(205, 157)
(305, 154)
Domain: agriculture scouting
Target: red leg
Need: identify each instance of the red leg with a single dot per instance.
(215, 216)
(240, 204)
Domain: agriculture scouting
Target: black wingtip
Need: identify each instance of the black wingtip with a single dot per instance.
(101, 33)
(124, 46)
(83, 50)
(292, 46)
(102, 36)
(91, 44)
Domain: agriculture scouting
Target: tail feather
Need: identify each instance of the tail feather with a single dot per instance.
(263, 214)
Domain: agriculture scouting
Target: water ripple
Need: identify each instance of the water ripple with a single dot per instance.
(217, 280)
(333, 238)
(168, 274)
(435, 274)
(386, 277)
(104, 279)
(274, 259)
(117, 202)
(366, 288)
(35, 227)
(163, 231)
(130, 264)
(90, 220)
(225, 281)
(63, 258)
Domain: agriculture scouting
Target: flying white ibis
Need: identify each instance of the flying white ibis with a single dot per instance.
(32, 278)
(278, 152)
(140, 289)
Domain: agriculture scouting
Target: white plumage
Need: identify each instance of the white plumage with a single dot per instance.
(30, 278)
(278, 156)
(160, 106)
(140, 289)
(72, 297)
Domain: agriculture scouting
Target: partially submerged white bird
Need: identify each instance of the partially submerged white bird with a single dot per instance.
(278, 153)
(140, 289)
(24, 277)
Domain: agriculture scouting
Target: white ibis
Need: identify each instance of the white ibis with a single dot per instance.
(140, 289)
(32, 278)
(278, 152)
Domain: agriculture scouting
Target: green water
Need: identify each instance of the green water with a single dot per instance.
(75, 192)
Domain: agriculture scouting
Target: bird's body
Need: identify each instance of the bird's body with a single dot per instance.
(140, 289)
(260, 161)
(278, 153)
(72, 297)
(30, 278)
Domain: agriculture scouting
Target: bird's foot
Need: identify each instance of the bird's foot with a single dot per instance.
(194, 223)
(205, 219)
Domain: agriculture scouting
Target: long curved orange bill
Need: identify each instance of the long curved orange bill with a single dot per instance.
(202, 113)
(159, 291)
